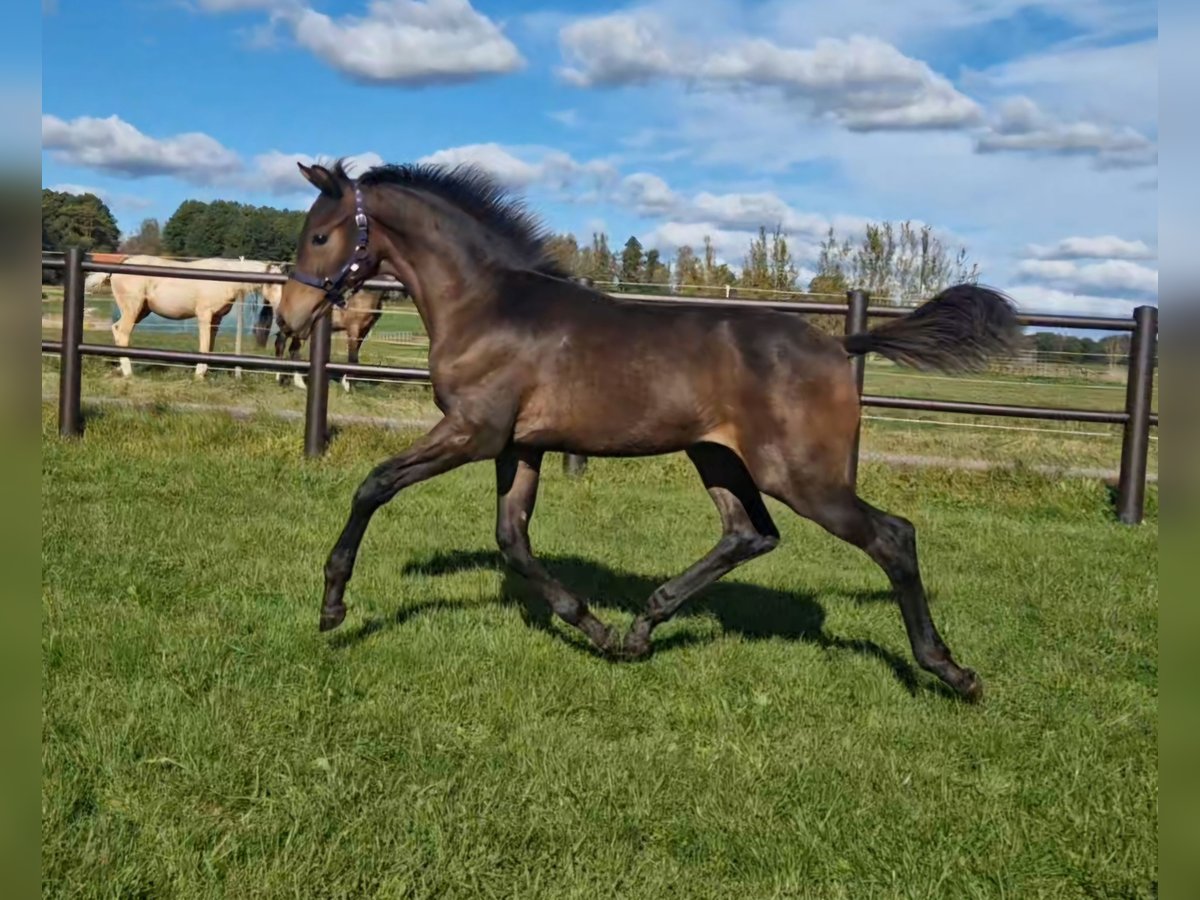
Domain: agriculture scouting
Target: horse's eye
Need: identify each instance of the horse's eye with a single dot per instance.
(320, 239)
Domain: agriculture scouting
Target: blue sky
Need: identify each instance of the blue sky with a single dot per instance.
(1025, 130)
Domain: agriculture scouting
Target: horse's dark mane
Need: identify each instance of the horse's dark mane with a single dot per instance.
(478, 194)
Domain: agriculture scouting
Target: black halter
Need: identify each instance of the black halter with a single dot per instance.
(336, 287)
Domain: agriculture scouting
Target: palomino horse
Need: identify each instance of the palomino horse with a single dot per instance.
(362, 310)
(177, 298)
(524, 362)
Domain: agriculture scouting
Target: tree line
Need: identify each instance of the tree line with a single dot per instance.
(196, 229)
(891, 261)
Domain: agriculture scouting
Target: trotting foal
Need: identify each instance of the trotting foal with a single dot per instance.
(524, 361)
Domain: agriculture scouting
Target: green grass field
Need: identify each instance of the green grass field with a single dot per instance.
(201, 739)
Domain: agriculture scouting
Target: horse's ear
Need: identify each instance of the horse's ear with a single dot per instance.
(322, 179)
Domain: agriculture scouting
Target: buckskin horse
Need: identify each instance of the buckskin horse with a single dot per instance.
(525, 361)
(359, 315)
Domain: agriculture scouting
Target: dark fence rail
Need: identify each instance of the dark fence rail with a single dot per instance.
(1136, 418)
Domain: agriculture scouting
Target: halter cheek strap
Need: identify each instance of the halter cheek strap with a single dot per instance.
(335, 288)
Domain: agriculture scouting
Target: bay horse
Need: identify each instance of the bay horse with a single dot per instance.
(178, 298)
(524, 361)
(362, 310)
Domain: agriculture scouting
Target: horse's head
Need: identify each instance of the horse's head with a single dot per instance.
(272, 296)
(334, 256)
(273, 293)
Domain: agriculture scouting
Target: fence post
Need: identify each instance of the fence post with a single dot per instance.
(316, 407)
(1139, 388)
(70, 417)
(856, 323)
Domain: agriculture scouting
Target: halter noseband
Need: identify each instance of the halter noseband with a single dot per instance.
(335, 287)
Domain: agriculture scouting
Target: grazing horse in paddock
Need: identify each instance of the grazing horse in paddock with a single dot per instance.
(524, 361)
(177, 298)
(362, 310)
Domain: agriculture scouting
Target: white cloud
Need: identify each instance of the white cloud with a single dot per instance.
(1114, 81)
(1022, 126)
(738, 212)
(730, 244)
(1110, 275)
(617, 49)
(493, 158)
(552, 169)
(1105, 246)
(399, 42)
(113, 145)
(647, 195)
(279, 173)
(1035, 298)
(860, 82)
(864, 83)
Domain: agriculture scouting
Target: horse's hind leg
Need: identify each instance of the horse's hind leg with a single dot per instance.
(892, 542)
(517, 473)
(748, 532)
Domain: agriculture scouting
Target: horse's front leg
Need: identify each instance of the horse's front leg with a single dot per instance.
(293, 355)
(353, 344)
(208, 323)
(280, 343)
(452, 442)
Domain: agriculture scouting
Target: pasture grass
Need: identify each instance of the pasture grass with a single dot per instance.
(202, 739)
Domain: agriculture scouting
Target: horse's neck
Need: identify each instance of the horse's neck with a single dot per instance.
(449, 275)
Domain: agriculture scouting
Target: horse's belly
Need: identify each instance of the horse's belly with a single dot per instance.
(608, 425)
(180, 300)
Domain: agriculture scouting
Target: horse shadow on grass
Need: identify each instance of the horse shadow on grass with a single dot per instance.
(753, 612)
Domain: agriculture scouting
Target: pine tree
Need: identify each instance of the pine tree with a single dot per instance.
(632, 262)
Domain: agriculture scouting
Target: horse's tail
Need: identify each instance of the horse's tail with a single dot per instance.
(94, 280)
(959, 330)
(262, 325)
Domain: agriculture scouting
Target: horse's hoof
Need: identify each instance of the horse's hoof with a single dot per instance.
(332, 617)
(970, 686)
(634, 648)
